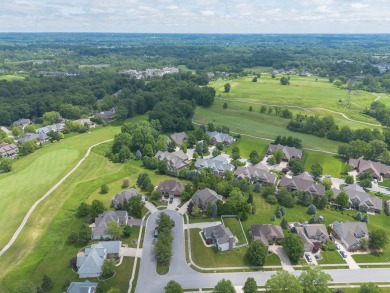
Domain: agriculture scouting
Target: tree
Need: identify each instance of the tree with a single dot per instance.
(115, 229)
(296, 166)
(104, 189)
(162, 167)
(82, 210)
(224, 286)
(227, 87)
(254, 157)
(378, 239)
(97, 208)
(285, 198)
(314, 280)
(342, 200)
(135, 206)
(358, 216)
(257, 187)
(365, 218)
(283, 281)
(138, 155)
(284, 224)
(250, 286)
(349, 179)
(47, 283)
(316, 171)
(366, 183)
(126, 231)
(108, 267)
(148, 150)
(209, 209)
(327, 183)
(284, 80)
(125, 183)
(235, 153)
(5, 164)
(225, 105)
(254, 79)
(173, 287)
(293, 246)
(52, 117)
(311, 210)
(250, 108)
(263, 109)
(257, 253)
(278, 155)
(369, 288)
(85, 234)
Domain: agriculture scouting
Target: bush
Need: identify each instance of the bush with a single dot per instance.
(331, 245)
(104, 189)
(311, 210)
(271, 199)
(324, 247)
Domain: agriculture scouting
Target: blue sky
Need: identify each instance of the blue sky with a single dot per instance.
(196, 16)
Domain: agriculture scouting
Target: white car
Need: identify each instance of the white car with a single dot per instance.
(308, 257)
(338, 246)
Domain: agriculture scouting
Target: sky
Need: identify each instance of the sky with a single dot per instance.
(196, 16)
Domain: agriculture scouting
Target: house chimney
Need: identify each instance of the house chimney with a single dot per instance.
(231, 242)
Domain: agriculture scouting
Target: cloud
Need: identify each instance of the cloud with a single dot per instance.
(221, 16)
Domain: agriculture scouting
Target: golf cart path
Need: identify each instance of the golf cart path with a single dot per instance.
(31, 210)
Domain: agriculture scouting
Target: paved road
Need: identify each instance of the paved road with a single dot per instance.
(150, 281)
(30, 211)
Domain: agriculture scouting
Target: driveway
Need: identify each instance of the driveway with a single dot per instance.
(128, 251)
(175, 203)
(349, 259)
(284, 259)
(201, 225)
(151, 207)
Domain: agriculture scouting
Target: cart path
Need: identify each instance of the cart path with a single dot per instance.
(31, 210)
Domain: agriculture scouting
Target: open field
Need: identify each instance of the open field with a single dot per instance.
(43, 241)
(258, 125)
(303, 92)
(10, 77)
(331, 257)
(210, 257)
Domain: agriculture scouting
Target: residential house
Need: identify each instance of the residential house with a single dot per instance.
(350, 233)
(170, 188)
(216, 137)
(289, 152)
(82, 287)
(85, 121)
(312, 235)
(46, 129)
(9, 150)
(22, 122)
(387, 207)
(202, 197)
(256, 175)
(106, 115)
(221, 236)
(303, 182)
(119, 199)
(31, 136)
(219, 164)
(361, 200)
(376, 169)
(90, 259)
(178, 138)
(100, 227)
(176, 161)
(266, 233)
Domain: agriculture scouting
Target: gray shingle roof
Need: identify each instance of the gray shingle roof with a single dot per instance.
(174, 187)
(8, 150)
(266, 231)
(102, 220)
(178, 137)
(350, 232)
(82, 287)
(217, 164)
(359, 198)
(220, 137)
(204, 196)
(375, 168)
(254, 173)
(125, 195)
(303, 182)
(289, 152)
(221, 233)
(177, 159)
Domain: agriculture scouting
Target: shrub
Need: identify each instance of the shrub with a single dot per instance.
(271, 199)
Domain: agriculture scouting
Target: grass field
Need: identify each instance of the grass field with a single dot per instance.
(303, 92)
(210, 257)
(331, 257)
(234, 225)
(10, 77)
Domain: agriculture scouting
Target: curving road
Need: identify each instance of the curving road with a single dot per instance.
(31, 210)
(150, 281)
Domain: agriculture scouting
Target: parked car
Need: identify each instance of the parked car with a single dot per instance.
(338, 246)
(155, 232)
(171, 200)
(308, 257)
(343, 254)
(173, 223)
(331, 238)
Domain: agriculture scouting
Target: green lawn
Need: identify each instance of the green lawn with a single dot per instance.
(331, 257)
(302, 92)
(385, 183)
(11, 77)
(234, 225)
(210, 257)
(332, 165)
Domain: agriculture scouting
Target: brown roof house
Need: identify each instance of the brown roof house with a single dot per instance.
(202, 197)
(361, 200)
(119, 199)
(289, 152)
(106, 115)
(312, 235)
(266, 233)
(170, 188)
(303, 182)
(22, 122)
(376, 169)
(100, 227)
(350, 233)
(255, 174)
(221, 236)
(175, 161)
(8, 150)
(216, 137)
(178, 138)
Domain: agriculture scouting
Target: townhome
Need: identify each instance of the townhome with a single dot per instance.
(303, 182)
(289, 152)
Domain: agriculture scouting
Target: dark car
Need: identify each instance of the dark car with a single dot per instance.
(155, 232)
(173, 223)
(343, 254)
(331, 238)
(308, 257)
(171, 200)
